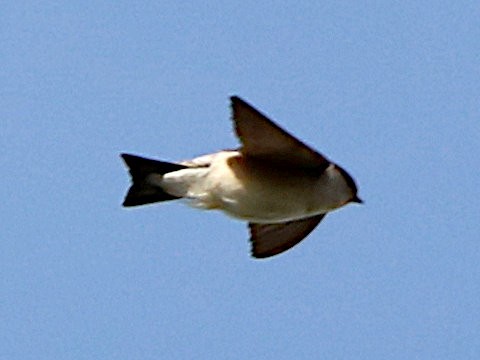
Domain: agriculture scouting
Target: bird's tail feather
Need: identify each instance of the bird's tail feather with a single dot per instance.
(142, 191)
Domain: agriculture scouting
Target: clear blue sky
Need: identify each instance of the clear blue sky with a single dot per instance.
(389, 90)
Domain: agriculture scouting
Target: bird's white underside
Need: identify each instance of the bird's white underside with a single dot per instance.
(220, 181)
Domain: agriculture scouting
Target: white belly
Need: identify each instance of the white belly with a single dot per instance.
(252, 193)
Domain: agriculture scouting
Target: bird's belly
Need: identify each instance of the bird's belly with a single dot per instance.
(256, 195)
(265, 202)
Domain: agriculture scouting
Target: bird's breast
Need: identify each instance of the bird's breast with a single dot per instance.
(261, 193)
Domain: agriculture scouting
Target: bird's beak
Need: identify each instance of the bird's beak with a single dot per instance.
(357, 200)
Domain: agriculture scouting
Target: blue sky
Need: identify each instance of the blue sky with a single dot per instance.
(389, 90)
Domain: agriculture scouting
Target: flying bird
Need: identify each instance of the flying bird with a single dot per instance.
(280, 186)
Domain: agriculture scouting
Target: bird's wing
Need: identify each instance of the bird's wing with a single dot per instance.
(272, 239)
(262, 139)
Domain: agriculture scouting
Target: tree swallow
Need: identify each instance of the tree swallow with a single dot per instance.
(281, 186)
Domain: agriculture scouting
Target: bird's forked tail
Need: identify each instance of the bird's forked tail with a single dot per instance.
(142, 190)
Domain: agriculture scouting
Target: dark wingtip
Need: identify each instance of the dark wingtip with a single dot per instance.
(357, 200)
(236, 100)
